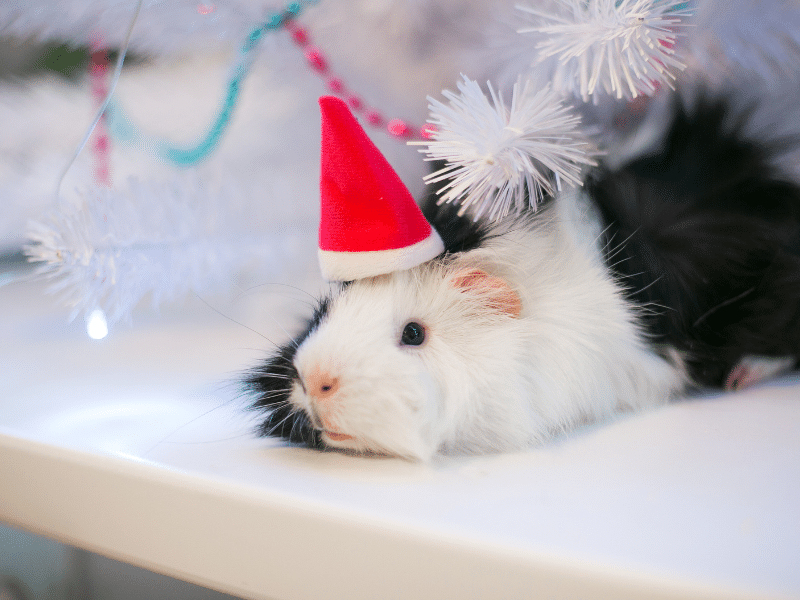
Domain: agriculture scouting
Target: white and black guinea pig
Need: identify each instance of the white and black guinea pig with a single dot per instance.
(678, 269)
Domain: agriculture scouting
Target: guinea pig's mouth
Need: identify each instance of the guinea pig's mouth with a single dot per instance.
(326, 427)
(329, 429)
(336, 436)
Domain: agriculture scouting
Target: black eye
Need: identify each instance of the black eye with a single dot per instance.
(413, 334)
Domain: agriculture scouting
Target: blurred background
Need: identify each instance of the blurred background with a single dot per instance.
(201, 178)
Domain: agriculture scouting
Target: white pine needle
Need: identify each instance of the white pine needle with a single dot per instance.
(761, 37)
(498, 156)
(622, 47)
(113, 248)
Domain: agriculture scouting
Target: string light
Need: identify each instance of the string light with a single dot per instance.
(96, 324)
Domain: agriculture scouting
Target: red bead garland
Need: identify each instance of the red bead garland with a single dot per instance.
(316, 60)
(397, 128)
(98, 72)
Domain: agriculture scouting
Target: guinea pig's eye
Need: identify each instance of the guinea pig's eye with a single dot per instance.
(413, 334)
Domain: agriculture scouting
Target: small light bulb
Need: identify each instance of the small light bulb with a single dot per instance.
(96, 325)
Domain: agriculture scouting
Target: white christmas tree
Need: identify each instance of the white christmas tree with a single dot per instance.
(212, 141)
(622, 47)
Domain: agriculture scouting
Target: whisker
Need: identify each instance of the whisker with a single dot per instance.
(602, 233)
(622, 245)
(186, 424)
(727, 302)
(608, 241)
(276, 375)
(660, 306)
(648, 312)
(273, 394)
(652, 283)
(229, 439)
(294, 287)
(280, 374)
(619, 262)
(280, 423)
(279, 363)
(232, 320)
(292, 339)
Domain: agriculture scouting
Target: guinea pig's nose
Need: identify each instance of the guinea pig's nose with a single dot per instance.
(321, 385)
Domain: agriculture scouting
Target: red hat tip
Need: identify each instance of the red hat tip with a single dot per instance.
(369, 222)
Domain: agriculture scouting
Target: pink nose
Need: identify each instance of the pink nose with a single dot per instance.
(321, 385)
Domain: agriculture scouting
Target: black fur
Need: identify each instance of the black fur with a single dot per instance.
(459, 233)
(271, 384)
(706, 236)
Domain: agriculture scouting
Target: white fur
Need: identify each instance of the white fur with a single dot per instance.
(485, 380)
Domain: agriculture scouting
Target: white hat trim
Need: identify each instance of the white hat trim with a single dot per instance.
(346, 266)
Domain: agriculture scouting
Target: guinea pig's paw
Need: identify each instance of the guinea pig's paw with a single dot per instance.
(493, 292)
(755, 369)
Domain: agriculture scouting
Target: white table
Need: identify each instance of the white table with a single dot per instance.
(135, 447)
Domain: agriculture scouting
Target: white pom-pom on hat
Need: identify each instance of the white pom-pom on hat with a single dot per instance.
(499, 157)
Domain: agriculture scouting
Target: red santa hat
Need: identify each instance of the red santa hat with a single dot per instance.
(369, 222)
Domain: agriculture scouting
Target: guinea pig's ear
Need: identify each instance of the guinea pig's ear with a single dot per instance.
(495, 293)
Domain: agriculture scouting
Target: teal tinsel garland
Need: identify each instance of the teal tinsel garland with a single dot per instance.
(124, 130)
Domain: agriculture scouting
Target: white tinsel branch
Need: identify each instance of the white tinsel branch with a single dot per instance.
(759, 36)
(113, 248)
(624, 47)
(497, 156)
(162, 27)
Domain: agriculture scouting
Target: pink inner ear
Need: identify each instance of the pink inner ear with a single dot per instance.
(495, 292)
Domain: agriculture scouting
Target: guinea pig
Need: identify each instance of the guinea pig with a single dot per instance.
(679, 269)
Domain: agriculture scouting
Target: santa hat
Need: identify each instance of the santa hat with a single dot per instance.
(369, 222)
